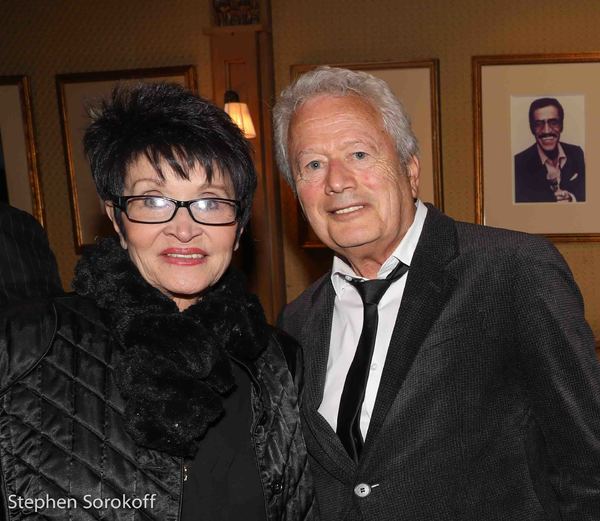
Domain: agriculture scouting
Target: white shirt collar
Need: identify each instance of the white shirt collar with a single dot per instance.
(403, 253)
(562, 157)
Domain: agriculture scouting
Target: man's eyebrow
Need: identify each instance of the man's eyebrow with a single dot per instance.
(307, 151)
(344, 144)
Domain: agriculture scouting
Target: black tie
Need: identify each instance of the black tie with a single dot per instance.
(353, 395)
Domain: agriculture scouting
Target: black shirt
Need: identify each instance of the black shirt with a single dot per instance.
(223, 483)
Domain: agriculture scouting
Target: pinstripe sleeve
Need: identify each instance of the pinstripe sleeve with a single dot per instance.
(27, 265)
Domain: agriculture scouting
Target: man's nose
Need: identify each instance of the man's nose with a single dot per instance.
(339, 177)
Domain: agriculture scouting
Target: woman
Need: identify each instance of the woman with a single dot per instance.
(157, 391)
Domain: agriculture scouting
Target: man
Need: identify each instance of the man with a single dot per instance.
(27, 265)
(549, 170)
(480, 395)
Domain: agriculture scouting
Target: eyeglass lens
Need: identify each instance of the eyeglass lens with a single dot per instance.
(152, 209)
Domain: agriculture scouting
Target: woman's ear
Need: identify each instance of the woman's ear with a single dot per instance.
(116, 222)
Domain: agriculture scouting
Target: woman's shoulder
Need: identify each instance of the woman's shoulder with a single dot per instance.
(20, 319)
(284, 352)
(28, 329)
(288, 346)
(77, 308)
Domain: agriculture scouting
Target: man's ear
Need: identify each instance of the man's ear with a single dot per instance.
(413, 172)
(111, 212)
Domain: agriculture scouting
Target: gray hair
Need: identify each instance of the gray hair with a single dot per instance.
(342, 82)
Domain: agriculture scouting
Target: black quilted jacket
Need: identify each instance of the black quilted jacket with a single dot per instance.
(62, 440)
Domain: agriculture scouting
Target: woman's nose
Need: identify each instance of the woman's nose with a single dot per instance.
(183, 226)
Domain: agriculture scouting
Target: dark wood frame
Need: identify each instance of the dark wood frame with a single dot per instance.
(188, 76)
(21, 82)
(479, 62)
(306, 236)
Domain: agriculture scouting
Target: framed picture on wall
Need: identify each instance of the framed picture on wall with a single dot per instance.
(76, 93)
(416, 84)
(536, 130)
(19, 180)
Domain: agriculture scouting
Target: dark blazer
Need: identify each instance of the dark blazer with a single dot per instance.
(531, 185)
(27, 265)
(489, 403)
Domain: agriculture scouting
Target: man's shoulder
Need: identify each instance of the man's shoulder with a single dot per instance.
(476, 235)
(491, 243)
(468, 231)
(529, 154)
(297, 308)
(308, 295)
(11, 217)
(571, 149)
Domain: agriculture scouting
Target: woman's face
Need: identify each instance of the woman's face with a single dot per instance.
(181, 258)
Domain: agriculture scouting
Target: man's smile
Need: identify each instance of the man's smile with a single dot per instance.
(348, 209)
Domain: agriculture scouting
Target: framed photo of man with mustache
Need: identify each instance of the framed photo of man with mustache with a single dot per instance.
(546, 142)
(534, 133)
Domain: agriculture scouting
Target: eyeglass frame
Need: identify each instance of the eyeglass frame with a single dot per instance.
(555, 123)
(120, 202)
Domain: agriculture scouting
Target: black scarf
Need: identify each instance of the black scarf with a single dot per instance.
(173, 368)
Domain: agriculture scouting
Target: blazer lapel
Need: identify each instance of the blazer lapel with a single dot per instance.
(315, 338)
(315, 341)
(427, 289)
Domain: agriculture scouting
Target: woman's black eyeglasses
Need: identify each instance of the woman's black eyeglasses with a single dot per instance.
(156, 209)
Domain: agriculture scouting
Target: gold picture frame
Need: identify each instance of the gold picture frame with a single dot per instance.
(18, 164)
(75, 93)
(416, 84)
(503, 88)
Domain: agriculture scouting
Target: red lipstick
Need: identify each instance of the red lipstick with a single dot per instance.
(184, 256)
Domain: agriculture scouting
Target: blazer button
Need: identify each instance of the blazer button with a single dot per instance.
(276, 486)
(362, 490)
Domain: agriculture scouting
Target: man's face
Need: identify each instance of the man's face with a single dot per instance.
(349, 179)
(547, 127)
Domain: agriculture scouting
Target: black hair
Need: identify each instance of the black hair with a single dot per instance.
(166, 122)
(541, 103)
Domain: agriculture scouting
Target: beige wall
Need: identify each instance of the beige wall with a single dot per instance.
(316, 31)
(42, 38)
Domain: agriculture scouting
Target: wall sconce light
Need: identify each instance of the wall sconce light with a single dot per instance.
(239, 113)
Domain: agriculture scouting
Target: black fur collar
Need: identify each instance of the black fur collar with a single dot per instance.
(173, 368)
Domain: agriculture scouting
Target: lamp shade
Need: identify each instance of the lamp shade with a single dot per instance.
(240, 115)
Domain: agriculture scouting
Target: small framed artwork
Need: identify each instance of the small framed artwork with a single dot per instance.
(19, 180)
(535, 132)
(76, 93)
(416, 84)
